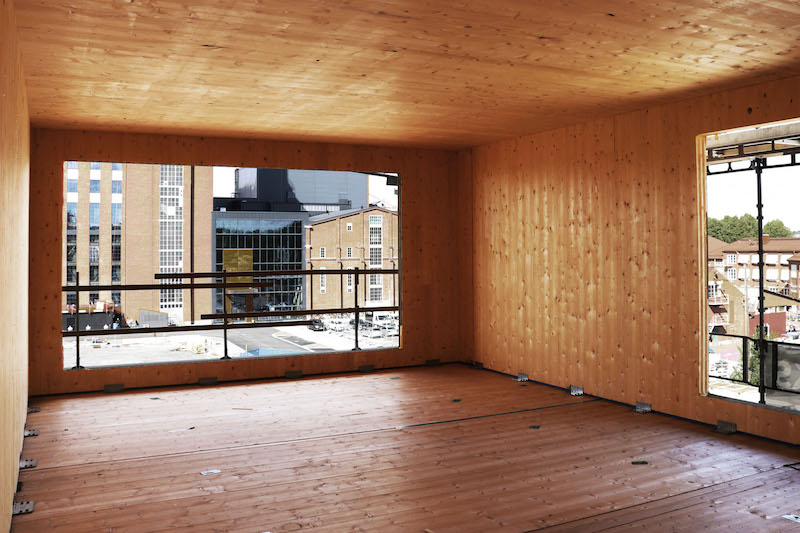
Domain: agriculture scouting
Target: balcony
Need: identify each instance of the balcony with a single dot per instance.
(718, 299)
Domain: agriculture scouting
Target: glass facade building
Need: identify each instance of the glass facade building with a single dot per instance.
(264, 241)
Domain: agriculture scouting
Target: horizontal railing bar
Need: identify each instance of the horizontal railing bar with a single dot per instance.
(156, 286)
(177, 329)
(271, 273)
(343, 310)
(752, 385)
(755, 339)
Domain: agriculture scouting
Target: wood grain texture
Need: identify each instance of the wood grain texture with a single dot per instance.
(407, 72)
(588, 255)
(391, 452)
(430, 259)
(14, 168)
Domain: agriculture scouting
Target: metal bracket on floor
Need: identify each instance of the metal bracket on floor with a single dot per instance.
(366, 368)
(726, 428)
(521, 376)
(643, 407)
(575, 390)
(207, 381)
(293, 374)
(113, 387)
(476, 364)
(31, 433)
(19, 486)
(25, 464)
(33, 410)
(432, 362)
(22, 507)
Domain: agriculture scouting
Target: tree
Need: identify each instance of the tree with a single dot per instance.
(776, 228)
(731, 229)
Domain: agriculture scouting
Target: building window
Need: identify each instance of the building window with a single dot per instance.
(170, 238)
(72, 298)
(94, 274)
(72, 247)
(116, 216)
(375, 294)
(116, 187)
(93, 297)
(94, 216)
(349, 283)
(322, 284)
(94, 165)
(72, 164)
(116, 274)
(731, 274)
(349, 226)
(94, 185)
(349, 251)
(116, 248)
(116, 297)
(72, 185)
(375, 220)
(322, 252)
(731, 259)
(71, 269)
(94, 248)
(72, 215)
(116, 166)
(376, 257)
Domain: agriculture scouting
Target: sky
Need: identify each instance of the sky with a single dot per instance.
(378, 190)
(735, 194)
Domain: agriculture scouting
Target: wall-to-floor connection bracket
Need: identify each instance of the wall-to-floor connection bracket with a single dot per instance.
(31, 433)
(575, 390)
(33, 410)
(25, 464)
(643, 407)
(22, 508)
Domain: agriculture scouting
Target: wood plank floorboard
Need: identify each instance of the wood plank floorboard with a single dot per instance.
(392, 451)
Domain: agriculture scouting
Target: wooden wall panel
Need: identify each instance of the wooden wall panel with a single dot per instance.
(430, 234)
(588, 250)
(14, 167)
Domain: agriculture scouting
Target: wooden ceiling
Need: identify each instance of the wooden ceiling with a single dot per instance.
(400, 72)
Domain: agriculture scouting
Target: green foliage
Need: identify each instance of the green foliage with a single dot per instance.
(731, 229)
(776, 228)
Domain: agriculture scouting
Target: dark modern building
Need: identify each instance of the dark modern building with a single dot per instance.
(313, 191)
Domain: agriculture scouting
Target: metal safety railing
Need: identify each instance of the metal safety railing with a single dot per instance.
(777, 355)
(225, 316)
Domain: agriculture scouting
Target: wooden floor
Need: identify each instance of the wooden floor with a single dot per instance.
(439, 449)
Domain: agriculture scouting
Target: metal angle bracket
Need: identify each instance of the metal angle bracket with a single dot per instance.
(477, 364)
(113, 387)
(433, 362)
(521, 376)
(31, 433)
(726, 428)
(575, 390)
(643, 407)
(207, 381)
(366, 368)
(22, 507)
(24, 464)
(293, 374)
(33, 410)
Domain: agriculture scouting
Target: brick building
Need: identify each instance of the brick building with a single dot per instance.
(357, 238)
(125, 222)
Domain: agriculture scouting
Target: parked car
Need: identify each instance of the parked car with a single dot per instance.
(316, 325)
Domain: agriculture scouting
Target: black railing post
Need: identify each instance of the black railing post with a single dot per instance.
(758, 162)
(77, 322)
(746, 360)
(225, 314)
(356, 308)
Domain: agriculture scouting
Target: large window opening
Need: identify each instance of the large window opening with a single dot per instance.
(175, 263)
(753, 289)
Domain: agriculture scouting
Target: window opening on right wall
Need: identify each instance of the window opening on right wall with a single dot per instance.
(752, 272)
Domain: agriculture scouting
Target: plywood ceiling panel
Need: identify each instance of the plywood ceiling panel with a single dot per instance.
(410, 72)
